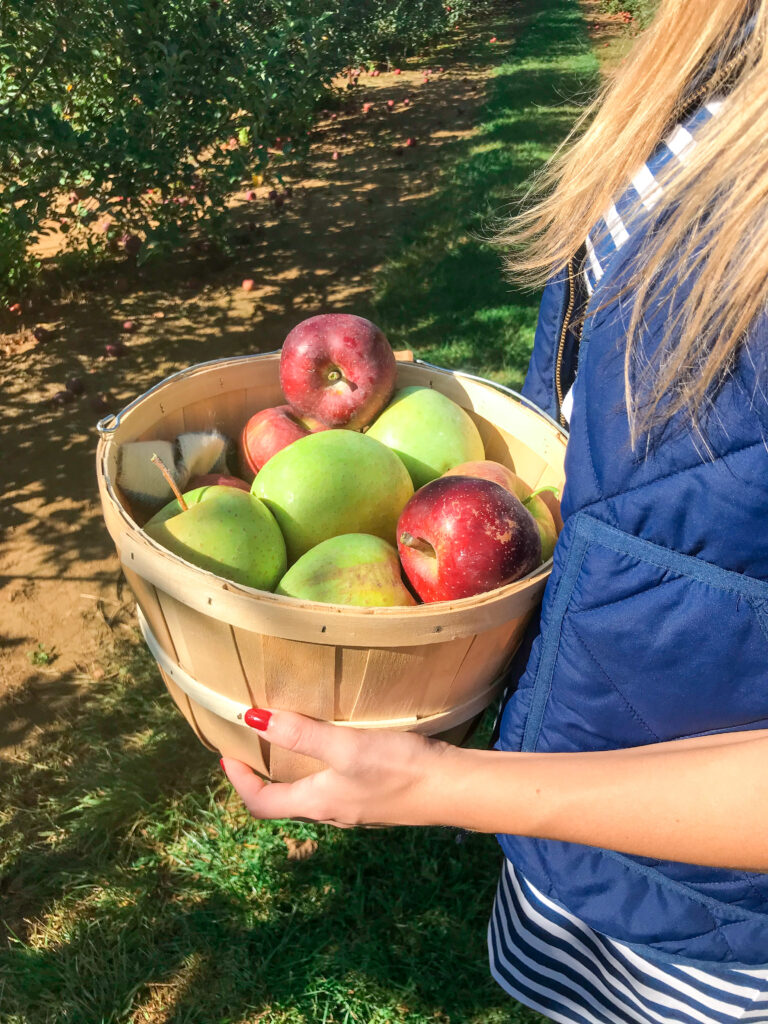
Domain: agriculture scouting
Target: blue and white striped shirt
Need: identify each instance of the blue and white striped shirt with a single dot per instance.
(554, 963)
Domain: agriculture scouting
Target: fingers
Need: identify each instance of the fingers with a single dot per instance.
(332, 744)
(267, 799)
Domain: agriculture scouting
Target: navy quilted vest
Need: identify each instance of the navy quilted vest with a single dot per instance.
(654, 626)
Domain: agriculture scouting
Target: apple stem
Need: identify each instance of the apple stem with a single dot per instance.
(417, 543)
(540, 490)
(171, 482)
(334, 375)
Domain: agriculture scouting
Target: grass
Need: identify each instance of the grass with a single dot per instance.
(134, 888)
(447, 280)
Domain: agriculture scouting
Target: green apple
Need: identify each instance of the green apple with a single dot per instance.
(226, 531)
(333, 482)
(429, 432)
(544, 522)
(543, 518)
(354, 568)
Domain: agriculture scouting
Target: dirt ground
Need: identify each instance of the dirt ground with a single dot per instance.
(61, 594)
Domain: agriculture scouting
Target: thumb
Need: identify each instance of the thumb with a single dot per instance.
(332, 744)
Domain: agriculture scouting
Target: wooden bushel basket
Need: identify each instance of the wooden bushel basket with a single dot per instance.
(223, 648)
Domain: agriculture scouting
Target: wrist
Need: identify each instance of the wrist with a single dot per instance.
(451, 782)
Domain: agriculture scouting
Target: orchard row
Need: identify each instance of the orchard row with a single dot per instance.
(137, 119)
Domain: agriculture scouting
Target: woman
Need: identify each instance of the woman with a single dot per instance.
(629, 783)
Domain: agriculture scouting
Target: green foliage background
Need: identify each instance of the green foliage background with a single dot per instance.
(155, 110)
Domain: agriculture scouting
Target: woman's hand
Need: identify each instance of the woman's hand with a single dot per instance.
(374, 777)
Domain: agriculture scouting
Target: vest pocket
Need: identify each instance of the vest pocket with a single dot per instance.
(644, 644)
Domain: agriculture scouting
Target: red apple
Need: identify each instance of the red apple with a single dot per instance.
(541, 506)
(339, 369)
(216, 480)
(269, 431)
(459, 536)
(486, 469)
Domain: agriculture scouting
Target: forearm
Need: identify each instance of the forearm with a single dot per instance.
(702, 801)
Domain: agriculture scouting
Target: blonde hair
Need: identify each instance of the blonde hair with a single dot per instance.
(714, 205)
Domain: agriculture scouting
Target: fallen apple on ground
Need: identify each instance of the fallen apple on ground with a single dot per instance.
(225, 531)
(337, 368)
(353, 568)
(333, 482)
(460, 536)
(268, 432)
(429, 432)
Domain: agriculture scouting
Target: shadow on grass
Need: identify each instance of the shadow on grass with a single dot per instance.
(134, 881)
(444, 295)
(134, 888)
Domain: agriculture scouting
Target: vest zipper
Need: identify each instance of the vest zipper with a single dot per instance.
(561, 343)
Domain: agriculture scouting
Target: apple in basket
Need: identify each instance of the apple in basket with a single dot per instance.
(533, 501)
(217, 479)
(268, 432)
(428, 431)
(337, 368)
(224, 530)
(460, 536)
(354, 568)
(330, 483)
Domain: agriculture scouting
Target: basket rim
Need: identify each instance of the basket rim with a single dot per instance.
(108, 426)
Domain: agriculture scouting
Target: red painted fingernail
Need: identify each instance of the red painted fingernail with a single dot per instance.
(221, 762)
(257, 718)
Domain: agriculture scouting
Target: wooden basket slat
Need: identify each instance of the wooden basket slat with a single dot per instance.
(185, 705)
(232, 414)
(201, 415)
(488, 659)
(460, 685)
(250, 648)
(262, 394)
(392, 678)
(350, 674)
(206, 649)
(434, 684)
(147, 599)
(168, 430)
(501, 446)
(299, 677)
